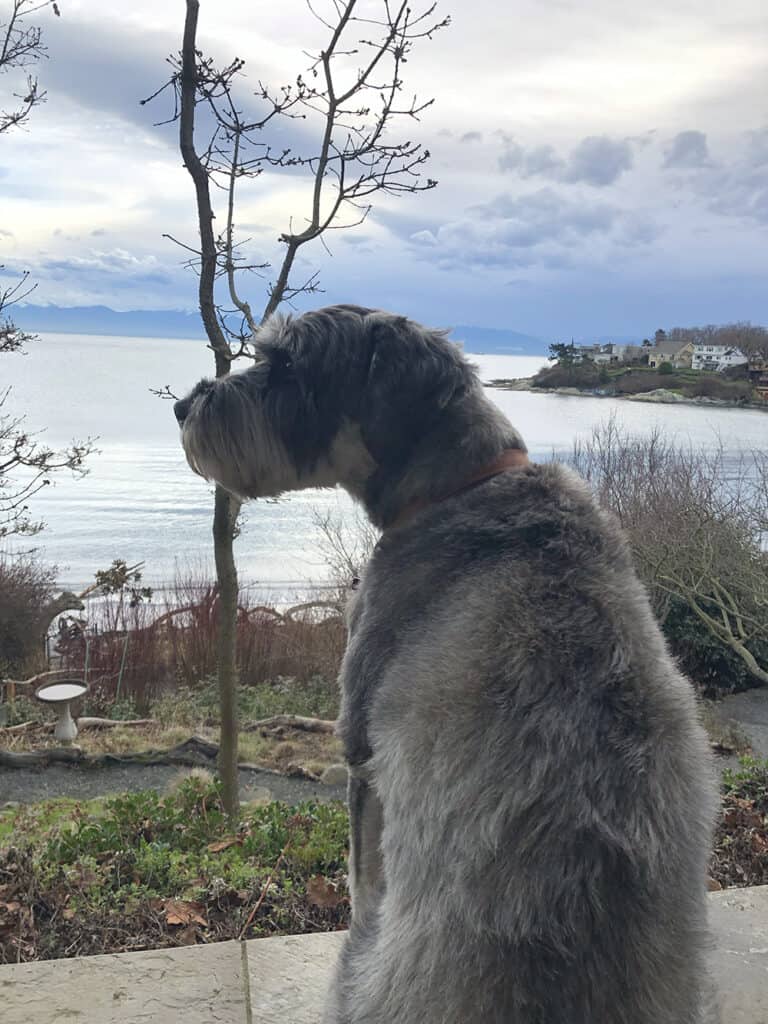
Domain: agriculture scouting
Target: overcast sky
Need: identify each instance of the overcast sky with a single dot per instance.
(602, 165)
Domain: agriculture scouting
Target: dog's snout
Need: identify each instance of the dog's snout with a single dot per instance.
(181, 409)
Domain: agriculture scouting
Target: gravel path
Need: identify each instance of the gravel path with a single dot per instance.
(29, 785)
(749, 711)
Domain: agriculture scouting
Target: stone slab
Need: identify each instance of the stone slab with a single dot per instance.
(289, 976)
(191, 985)
(284, 980)
(739, 963)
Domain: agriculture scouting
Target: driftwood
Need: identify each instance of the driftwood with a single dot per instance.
(113, 723)
(291, 722)
(82, 723)
(194, 752)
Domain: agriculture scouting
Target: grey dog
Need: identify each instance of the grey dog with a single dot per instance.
(530, 793)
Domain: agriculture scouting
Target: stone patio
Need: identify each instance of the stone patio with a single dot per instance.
(283, 980)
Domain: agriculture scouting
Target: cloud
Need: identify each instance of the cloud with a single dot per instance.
(542, 228)
(471, 137)
(735, 186)
(597, 160)
(687, 150)
(120, 268)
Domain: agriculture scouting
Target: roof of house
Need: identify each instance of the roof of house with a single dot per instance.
(670, 347)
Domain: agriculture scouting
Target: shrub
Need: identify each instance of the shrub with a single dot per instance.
(712, 385)
(25, 587)
(638, 381)
(136, 651)
(579, 375)
(665, 369)
(695, 521)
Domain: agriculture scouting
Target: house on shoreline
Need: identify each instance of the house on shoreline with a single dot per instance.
(716, 357)
(678, 354)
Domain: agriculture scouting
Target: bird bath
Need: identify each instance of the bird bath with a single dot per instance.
(59, 696)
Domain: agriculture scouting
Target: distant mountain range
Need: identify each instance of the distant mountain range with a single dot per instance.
(136, 323)
(154, 323)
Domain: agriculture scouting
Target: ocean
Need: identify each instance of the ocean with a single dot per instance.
(140, 501)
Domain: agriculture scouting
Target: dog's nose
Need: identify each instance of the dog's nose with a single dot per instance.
(180, 409)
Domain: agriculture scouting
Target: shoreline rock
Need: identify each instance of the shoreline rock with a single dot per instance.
(659, 396)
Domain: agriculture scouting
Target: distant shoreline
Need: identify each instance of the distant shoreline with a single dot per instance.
(659, 396)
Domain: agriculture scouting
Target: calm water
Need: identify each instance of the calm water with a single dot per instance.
(140, 501)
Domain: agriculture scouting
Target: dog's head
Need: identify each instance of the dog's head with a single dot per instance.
(334, 397)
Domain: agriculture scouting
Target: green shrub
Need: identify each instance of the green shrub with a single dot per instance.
(579, 375)
(711, 664)
(665, 369)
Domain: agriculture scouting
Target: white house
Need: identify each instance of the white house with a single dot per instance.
(716, 357)
(602, 354)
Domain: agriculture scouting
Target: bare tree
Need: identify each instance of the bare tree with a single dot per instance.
(750, 339)
(26, 463)
(21, 48)
(696, 522)
(352, 94)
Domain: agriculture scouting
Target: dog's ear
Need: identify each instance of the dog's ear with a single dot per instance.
(413, 375)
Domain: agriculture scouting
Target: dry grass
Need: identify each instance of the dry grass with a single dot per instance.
(279, 750)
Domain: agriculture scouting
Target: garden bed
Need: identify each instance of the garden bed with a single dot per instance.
(143, 871)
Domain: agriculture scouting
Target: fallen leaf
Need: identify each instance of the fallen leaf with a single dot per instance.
(713, 885)
(68, 913)
(322, 893)
(184, 912)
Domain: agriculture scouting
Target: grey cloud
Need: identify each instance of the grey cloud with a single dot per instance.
(471, 137)
(122, 269)
(687, 150)
(541, 228)
(597, 160)
(737, 188)
(757, 147)
(107, 66)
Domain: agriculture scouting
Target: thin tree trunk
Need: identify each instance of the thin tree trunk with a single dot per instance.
(225, 507)
(225, 511)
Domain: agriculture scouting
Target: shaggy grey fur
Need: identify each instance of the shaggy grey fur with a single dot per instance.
(531, 795)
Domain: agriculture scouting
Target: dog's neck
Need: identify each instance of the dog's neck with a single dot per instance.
(511, 458)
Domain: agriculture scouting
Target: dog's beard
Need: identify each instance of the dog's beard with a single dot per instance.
(245, 456)
(241, 453)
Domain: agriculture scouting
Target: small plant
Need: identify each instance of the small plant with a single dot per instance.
(80, 877)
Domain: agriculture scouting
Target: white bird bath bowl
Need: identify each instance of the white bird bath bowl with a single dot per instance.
(59, 696)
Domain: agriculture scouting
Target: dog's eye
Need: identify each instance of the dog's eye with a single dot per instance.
(280, 367)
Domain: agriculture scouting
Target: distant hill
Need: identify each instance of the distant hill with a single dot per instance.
(499, 341)
(164, 323)
(136, 323)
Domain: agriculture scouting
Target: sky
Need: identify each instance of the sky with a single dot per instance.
(602, 165)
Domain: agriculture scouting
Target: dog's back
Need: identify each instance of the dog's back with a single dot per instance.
(546, 788)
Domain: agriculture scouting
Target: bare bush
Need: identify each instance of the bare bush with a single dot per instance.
(696, 522)
(346, 544)
(138, 650)
(26, 587)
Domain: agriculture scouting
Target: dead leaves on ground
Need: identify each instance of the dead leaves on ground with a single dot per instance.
(323, 893)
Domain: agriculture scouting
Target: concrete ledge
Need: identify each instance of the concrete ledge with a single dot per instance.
(739, 963)
(283, 980)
